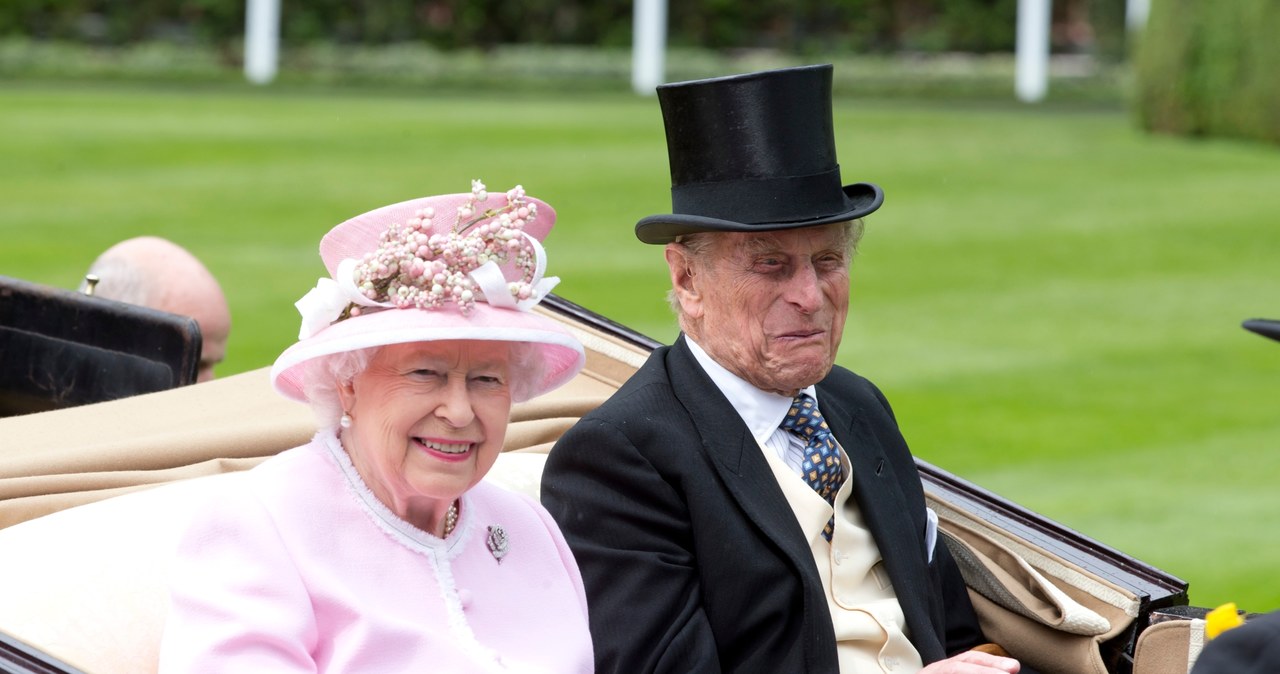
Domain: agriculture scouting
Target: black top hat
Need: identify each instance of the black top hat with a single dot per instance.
(754, 152)
(1264, 327)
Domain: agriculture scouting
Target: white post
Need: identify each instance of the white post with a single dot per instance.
(261, 40)
(1135, 14)
(649, 43)
(1031, 79)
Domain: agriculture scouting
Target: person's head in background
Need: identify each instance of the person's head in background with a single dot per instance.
(153, 272)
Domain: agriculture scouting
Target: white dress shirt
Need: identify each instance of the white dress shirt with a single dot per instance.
(761, 411)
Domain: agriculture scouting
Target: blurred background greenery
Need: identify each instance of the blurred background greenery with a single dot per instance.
(1051, 297)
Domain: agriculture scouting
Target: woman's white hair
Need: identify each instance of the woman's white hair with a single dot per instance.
(323, 376)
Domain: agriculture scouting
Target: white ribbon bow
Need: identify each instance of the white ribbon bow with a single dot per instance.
(493, 284)
(324, 304)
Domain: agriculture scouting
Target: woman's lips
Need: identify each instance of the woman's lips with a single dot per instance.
(445, 449)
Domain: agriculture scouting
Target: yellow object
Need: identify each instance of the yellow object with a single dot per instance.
(1221, 619)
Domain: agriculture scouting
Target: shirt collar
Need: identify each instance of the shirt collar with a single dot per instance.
(762, 411)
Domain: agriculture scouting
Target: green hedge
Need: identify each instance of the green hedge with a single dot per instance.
(799, 26)
(417, 69)
(1210, 69)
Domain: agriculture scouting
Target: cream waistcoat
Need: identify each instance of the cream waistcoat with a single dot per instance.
(868, 620)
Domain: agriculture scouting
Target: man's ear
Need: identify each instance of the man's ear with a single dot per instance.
(684, 280)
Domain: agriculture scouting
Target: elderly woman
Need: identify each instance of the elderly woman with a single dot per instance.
(376, 547)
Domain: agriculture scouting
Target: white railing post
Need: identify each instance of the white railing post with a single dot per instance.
(261, 40)
(649, 44)
(1135, 14)
(1031, 79)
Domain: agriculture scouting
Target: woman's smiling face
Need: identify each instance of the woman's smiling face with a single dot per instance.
(428, 420)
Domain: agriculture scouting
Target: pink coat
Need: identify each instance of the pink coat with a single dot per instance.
(300, 569)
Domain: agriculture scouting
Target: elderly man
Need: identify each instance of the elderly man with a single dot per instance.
(740, 504)
(153, 272)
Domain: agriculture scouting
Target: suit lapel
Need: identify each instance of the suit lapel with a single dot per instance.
(885, 510)
(737, 457)
(741, 466)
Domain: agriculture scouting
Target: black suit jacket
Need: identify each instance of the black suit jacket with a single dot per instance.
(691, 556)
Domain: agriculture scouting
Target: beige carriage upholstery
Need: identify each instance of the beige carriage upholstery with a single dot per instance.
(92, 500)
(1169, 647)
(1041, 609)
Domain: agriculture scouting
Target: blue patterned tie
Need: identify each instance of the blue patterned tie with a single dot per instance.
(821, 466)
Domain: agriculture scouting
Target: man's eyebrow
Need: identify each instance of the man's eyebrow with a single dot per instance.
(761, 245)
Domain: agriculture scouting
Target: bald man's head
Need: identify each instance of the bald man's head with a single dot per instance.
(157, 273)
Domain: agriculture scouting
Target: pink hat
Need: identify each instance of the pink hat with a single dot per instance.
(455, 266)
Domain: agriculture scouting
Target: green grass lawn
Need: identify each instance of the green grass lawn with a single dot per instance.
(1050, 298)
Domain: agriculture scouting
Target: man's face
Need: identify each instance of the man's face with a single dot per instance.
(215, 326)
(202, 299)
(770, 306)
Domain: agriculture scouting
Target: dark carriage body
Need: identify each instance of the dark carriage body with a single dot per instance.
(62, 348)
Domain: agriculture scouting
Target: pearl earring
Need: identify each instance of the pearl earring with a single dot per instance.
(345, 420)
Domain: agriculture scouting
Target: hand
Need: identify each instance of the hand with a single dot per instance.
(973, 662)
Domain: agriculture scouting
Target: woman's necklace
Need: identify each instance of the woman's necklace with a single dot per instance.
(450, 519)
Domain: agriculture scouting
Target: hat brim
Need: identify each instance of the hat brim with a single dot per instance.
(1263, 326)
(561, 354)
(861, 199)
